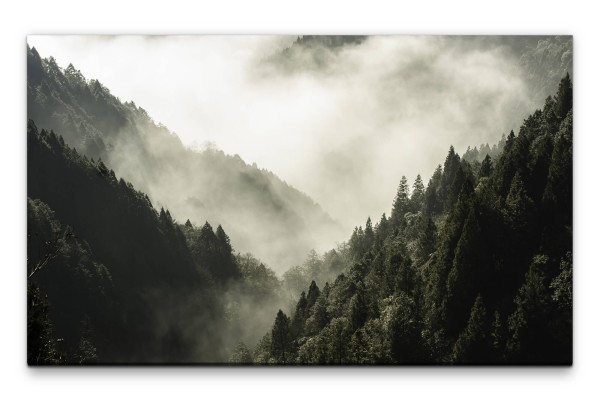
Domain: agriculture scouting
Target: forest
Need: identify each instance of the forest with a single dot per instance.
(473, 267)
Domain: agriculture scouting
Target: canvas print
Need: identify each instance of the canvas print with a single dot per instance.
(299, 200)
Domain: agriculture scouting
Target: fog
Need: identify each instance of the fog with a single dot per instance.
(340, 123)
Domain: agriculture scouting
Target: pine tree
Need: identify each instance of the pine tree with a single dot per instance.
(41, 345)
(529, 339)
(369, 234)
(465, 276)
(418, 194)
(426, 240)
(337, 336)
(299, 318)
(433, 201)
(223, 241)
(449, 183)
(401, 203)
(564, 97)
(382, 230)
(313, 294)
(473, 344)
(486, 167)
(519, 206)
(402, 326)
(358, 308)
(281, 342)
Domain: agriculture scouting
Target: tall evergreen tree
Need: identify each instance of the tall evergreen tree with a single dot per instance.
(473, 344)
(313, 294)
(401, 202)
(564, 97)
(433, 199)
(418, 194)
(529, 324)
(358, 308)
(486, 167)
(281, 341)
(299, 318)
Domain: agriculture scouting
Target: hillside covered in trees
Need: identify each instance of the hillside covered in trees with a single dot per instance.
(143, 251)
(112, 280)
(257, 207)
(474, 268)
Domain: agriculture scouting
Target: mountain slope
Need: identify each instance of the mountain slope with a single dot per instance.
(261, 212)
(105, 257)
(474, 269)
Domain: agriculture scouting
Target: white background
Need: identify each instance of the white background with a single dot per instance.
(17, 381)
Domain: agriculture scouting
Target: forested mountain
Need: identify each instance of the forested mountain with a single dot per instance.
(124, 265)
(255, 206)
(311, 52)
(111, 280)
(474, 268)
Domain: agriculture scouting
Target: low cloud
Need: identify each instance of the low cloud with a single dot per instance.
(343, 129)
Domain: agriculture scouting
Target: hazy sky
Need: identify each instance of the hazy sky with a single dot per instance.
(343, 131)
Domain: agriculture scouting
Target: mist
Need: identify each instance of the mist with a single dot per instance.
(341, 123)
(284, 142)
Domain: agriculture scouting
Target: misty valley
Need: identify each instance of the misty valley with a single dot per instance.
(142, 249)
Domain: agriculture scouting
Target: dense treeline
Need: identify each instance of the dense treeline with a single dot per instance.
(475, 268)
(257, 206)
(112, 280)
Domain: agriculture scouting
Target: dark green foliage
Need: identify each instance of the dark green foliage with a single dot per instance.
(564, 97)
(562, 285)
(529, 324)
(313, 294)
(212, 251)
(319, 316)
(453, 178)
(486, 167)
(433, 195)
(456, 275)
(426, 241)
(474, 269)
(473, 344)
(402, 324)
(144, 284)
(418, 194)
(300, 315)
(467, 275)
(64, 266)
(281, 339)
(254, 206)
(359, 309)
(41, 344)
(401, 203)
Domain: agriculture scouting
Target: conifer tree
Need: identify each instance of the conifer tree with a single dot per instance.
(281, 341)
(564, 97)
(486, 167)
(433, 200)
(313, 294)
(401, 202)
(529, 323)
(473, 344)
(418, 194)
(299, 318)
(358, 308)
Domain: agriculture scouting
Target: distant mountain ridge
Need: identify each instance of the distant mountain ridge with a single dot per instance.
(262, 213)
